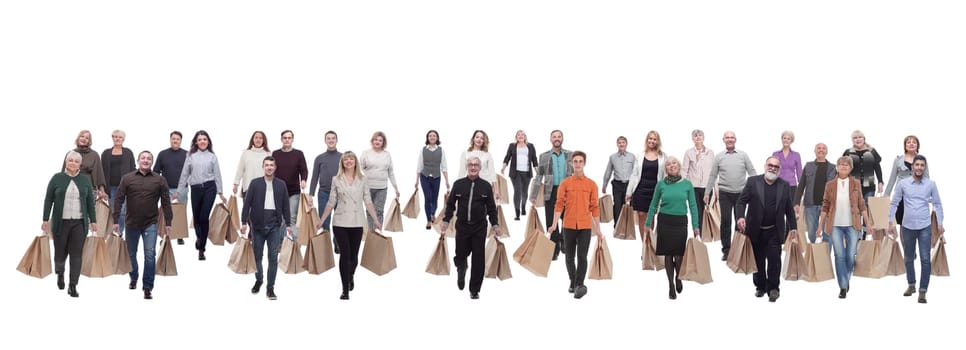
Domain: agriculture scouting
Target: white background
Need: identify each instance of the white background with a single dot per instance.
(596, 70)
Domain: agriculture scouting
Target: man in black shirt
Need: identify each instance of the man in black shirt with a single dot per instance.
(474, 196)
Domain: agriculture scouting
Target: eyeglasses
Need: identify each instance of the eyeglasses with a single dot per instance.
(473, 165)
(774, 166)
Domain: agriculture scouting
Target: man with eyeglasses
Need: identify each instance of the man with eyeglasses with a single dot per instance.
(474, 196)
(729, 172)
(768, 200)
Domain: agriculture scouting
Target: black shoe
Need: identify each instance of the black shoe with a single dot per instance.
(256, 287)
(335, 249)
(909, 291)
(180, 241)
(72, 291)
(147, 294)
(270, 293)
(429, 225)
(922, 297)
(461, 277)
(132, 285)
(678, 285)
(352, 285)
(571, 289)
(759, 293)
(60, 281)
(555, 254)
(671, 294)
(580, 292)
(773, 295)
(344, 296)
(516, 218)
(724, 256)
(474, 295)
(201, 256)
(842, 293)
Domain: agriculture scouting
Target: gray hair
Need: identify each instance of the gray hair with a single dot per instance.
(73, 155)
(789, 133)
(697, 132)
(470, 159)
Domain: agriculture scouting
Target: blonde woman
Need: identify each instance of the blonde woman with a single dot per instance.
(376, 163)
(648, 170)
(866, 167)
(349, 198)
(521, 157)
(675, 198)
(480, 148)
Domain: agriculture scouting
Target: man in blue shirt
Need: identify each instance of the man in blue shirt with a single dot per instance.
(917, 191)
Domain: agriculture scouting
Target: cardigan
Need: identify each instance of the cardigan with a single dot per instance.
(56, 189)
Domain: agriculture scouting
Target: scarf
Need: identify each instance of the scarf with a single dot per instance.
(671, 179)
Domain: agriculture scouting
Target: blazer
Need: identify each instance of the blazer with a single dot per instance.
(752, 199)
(856, 202)
(128, 164)
(57, 189)
(253, 210)
(544, 175)
(350, 202)
(638, 168)
(510, 160)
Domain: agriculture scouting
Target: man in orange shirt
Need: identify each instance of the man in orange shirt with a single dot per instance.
(577, 195)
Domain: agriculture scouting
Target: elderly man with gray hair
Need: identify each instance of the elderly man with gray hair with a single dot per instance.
(474, 197)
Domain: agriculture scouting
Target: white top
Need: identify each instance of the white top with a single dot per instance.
(269, 195)
(487, 169)
(523, 160)
(72, 202)
(843, 207)
(378, 168)
(442, 159)
(348, 202)
(250, 167)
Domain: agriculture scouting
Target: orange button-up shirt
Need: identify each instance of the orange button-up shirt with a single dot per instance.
(578, 195)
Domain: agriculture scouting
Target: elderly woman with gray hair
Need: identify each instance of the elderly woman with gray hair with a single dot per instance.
(68, 210)
(791, 161)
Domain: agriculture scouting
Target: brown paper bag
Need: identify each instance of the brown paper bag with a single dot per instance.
(319, 256)
(501, 221)
(119, 256)
(606, 204)
(393, 218)
(793, 269)
(865, 259)
(940, 265)
(649, 258)
(290, 257)
(306, 221)
(802, 238)
(378, 254)
(439, 261)
(879, 212)
(36, 260)
(534, 226)
(242, 259)
(234, 220)
(105, 219)
(179, 222)
(626, 228)
(696, 265)
(741, 258)
(96, 261)
(497, 265)
(412, 206)
(535, 254)
(896, 265)
(502, 189)
(438, 224)
(878, 234)
(934, 225)
(711, 221)
(540, 201)
(218, 224)
(601, 266)
(166, 265)
(818, 263)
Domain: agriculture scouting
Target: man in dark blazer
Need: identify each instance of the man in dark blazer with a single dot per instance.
(768, 200)
(266, 209)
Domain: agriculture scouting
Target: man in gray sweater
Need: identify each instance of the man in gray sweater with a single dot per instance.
(730, 170)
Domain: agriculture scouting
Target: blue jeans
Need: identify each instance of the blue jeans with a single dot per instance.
(845, 242)
(910, 237)
(812, 213)
(123, 216)
(431, 193)
(150, 237)
(182, 198)
(272, 235)
(323, 198)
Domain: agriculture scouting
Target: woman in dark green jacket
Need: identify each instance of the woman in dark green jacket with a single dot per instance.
(72, 199)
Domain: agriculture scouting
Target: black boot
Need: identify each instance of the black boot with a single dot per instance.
(60, 281)
(72, 291)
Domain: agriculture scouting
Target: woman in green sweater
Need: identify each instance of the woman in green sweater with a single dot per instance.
(72, 199)
(673, 199)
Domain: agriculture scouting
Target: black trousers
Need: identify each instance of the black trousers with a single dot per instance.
(767, 246)
(698, 196)
(576, 241)
(471, 240)
(548, 208)
(70, 242)
(349, 238)
(729, 209)
(521, 183)
(620, 191)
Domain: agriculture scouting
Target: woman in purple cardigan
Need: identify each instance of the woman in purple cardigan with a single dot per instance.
(791, 161)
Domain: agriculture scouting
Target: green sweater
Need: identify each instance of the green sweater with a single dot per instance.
(56, 190)
(674, 199)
